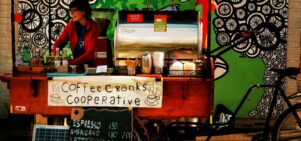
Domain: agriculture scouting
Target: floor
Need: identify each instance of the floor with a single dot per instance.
(18, 128)
(234, 136)
(15, 128)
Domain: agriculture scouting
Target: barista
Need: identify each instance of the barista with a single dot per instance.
(82, 32)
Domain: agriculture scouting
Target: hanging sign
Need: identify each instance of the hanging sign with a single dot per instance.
(105, 91)
(160, 23)
(135, 18)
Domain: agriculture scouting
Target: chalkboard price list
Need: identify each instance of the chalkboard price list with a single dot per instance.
(102, 126)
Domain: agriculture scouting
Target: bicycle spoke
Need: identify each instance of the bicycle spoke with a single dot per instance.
(32, 20)
(290, 135)
(288, 127)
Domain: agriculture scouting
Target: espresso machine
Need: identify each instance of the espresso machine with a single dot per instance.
(179, 36)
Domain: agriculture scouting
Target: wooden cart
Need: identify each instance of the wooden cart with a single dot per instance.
(182, 97)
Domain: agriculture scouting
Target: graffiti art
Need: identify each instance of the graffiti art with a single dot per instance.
(267, 21)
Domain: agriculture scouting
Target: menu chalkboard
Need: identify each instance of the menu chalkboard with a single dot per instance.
(107, 124)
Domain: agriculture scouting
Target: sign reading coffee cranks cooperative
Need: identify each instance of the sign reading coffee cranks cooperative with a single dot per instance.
(105, 91)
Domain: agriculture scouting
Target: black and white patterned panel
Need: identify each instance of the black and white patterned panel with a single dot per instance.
(267, 19)
(34, 29)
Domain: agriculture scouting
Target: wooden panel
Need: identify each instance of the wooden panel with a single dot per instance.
(101, 53)
(37, 101)
(182, 99)
(28, 95)
(40, 103)
(20, 95)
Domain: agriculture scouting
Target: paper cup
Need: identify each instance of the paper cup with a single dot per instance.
(158, 59)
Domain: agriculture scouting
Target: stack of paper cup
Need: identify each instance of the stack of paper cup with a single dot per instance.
(158, 61)
(176, 69)
(189, 69)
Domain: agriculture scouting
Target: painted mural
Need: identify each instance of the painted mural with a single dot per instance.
(41, 15)
(247, 38)
(256, 33)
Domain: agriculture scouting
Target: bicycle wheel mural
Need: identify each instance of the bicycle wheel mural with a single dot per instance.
(35, 14)
(268, 21)
(35, 22)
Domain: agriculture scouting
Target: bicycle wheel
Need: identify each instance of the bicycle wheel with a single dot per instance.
(32, 20)
(286, 127)
(267, 38)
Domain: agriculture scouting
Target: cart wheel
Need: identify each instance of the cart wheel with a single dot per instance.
(138, 135)
(140, 132)
(155, 128)
(180, 131)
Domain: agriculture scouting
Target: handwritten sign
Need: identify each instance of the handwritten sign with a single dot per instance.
(105, 91)
(135, 18)
(102, 125)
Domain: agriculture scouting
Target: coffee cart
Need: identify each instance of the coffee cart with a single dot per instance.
(184, 96)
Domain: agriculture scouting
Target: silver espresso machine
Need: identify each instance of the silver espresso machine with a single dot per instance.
(136, 33)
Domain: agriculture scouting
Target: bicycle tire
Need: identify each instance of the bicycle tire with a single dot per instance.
(286, 127)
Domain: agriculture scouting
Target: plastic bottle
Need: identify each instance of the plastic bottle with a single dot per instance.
(34, 57)
(26, 56)
(57, 60)
(18, 59)
(40, 57)
(64, 58)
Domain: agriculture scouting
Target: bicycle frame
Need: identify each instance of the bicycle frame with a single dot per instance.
(243, 36)
(223, 49)
(277, 91)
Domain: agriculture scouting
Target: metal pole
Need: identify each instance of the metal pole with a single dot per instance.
(49, 29)
(208, 41)
(13, 35)
(209, 28)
